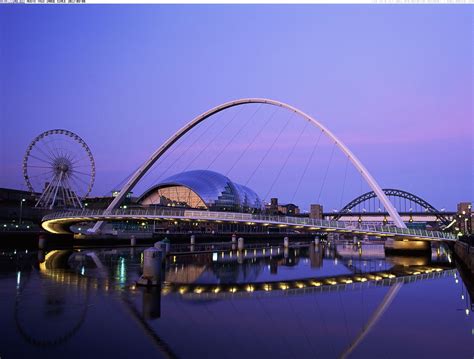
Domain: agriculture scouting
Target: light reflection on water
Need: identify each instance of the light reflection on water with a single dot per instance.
(306, 302)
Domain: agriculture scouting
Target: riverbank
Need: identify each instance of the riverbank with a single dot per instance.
(465, 254)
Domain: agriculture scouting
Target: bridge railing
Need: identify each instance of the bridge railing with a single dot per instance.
(250, 218)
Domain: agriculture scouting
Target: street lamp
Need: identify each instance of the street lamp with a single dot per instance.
(21, 208)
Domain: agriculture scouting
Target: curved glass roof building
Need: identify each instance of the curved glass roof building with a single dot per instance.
(202, 189)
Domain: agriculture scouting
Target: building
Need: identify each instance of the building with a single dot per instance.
(202, 189)
(316, 211)
(17, 206)
(289, 209)
(273, 208)
(464, 220)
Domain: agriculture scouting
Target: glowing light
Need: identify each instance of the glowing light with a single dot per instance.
(121, 271)
(249, 288)
(198, 290)
(315, 284)
(233, 290)
(18, 279)
(216, 290)
(183, 290)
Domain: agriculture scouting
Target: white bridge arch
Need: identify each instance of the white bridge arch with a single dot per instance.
(197, 120)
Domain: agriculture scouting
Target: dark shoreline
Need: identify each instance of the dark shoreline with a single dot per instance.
(22, 240)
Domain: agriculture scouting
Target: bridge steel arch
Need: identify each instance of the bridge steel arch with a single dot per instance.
(197, 120)
(396, 193)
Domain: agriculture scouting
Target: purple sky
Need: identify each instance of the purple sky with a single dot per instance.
(395, 83)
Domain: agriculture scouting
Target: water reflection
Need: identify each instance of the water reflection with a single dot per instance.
(270, 287)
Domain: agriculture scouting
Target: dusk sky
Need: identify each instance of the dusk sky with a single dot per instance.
(395, 83)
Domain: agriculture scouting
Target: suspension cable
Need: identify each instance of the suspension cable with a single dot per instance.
(286, 160)
(214, 138)
(252, 142)
(122, 182)
(307, 165)
(269, 149)
(162, 174)
(327, 170)
(344, 183)
(159, 162)
(234, 136)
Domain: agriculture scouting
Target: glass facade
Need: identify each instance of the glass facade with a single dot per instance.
(202, 189)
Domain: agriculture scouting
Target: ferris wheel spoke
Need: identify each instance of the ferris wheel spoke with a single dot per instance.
(86, 158)
(69, 157)
(40, 167)
(78, 187)
(50, 145)
(48, 173)
(80, 179)
(82, 173)
(39, 159)
(47, 155)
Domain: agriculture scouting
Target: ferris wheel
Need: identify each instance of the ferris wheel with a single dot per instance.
(59, 165)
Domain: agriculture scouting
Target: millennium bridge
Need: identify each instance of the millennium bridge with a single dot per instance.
(60, 222)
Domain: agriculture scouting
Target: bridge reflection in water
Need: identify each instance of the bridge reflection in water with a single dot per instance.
(316, 277)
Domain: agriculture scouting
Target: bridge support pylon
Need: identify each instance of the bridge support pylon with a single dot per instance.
(152, 259)
(406, 246)
(240, 244)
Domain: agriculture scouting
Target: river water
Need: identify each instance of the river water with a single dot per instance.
(307, 302)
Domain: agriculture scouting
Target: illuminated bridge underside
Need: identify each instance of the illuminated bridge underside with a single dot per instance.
(400, 274)
(61, 221)
(300, 286)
